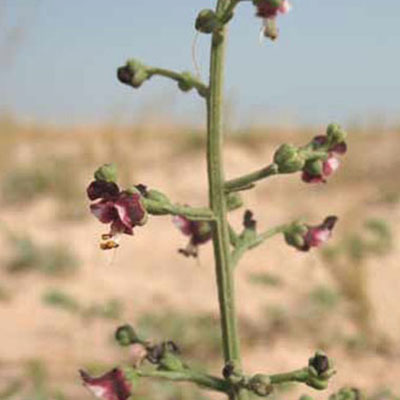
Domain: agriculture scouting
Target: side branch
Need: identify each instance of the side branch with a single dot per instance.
(247, 181)
(134, 73)
(204, 380)
(249, 239)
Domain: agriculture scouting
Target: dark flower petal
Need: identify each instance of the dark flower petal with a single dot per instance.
(130, 210)
(104, 210)
(102, 190)
(319, 140)
(308, 178)
(117, 226)
(110, 386)
(339, 148)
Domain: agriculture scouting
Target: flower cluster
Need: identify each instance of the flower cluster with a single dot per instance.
(268, 10)
(123, 210)
(199, 232)
(316, 171)
(303, 237)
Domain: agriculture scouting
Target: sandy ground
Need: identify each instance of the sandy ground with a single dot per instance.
(148, 274)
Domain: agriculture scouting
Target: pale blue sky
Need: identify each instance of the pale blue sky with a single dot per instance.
(336, 60)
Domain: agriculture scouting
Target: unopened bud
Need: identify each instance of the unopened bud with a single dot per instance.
(155, 195)
(289, 159)
(134, 73)
(186, 82)
(107, 173)
(260, 385)
(335, 134)
(125, 335)
(207, 21)
(314, 167)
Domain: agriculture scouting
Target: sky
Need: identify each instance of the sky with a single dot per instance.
(335, 60)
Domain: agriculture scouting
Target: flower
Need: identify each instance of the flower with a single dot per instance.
(316, 171)
(303, 237)
(110, 386)
(268, 10)
(199, 232)
(123, 210)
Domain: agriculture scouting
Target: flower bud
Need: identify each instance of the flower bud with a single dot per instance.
(335, 134)
(125, 335)
(319, 363)
(295, 235)
(289, 159)
(134, 73)
(314, 167)
(155, 195)
(107, 173)
(207, 21)
(261, 385)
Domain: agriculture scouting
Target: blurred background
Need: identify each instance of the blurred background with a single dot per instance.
(63, 113)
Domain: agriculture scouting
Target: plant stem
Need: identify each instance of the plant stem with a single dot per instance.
(178, 77)
(245, 181)
(217, 201)
(199, 378)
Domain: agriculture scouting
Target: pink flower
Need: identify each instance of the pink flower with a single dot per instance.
(316, 171)
(121, 209)
(199, 232)
(110, 386)
(268, 10)
(303, 237)
(318, 235)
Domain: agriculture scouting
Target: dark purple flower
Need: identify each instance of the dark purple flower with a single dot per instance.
(199, 232)
(318, 235)
(110, 386)
(121, 209)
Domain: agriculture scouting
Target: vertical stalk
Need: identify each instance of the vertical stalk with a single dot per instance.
(217, 201)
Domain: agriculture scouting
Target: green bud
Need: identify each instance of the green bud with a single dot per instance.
(314, 167)
(171, 362)
(107, 172)
(125, 335)
(294, 235)
(207, 21)
(289, 159)
(260, 385)
(186, 82)
(155, 195)
(335, 134)
(139, 72)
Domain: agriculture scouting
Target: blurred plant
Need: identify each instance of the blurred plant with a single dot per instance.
(26, 255)
(111, 309)
(265, 278)
(346, 262)
(57, 177)
(125, 209)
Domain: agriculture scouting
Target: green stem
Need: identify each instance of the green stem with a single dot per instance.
(179, 77)
(300, 375)
(217, 200)
(198, 378)
(163, 208)
(246, 181)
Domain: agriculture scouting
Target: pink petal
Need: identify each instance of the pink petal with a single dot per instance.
(330, 165)
(110, 386)
(285, 7)
(183, 224)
